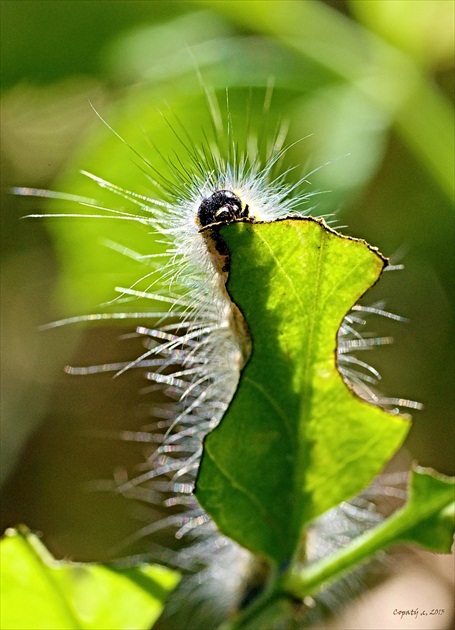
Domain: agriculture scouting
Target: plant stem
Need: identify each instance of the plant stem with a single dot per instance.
(397, 528)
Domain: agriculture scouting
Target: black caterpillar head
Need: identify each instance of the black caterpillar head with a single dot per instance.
(221, 207)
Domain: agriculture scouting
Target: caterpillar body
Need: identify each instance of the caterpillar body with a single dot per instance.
(195, 346)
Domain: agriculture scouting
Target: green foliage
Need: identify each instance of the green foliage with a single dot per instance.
(427, 519)
(428, 516)
(39, 592)
(367, 85)
(387, 78)
(294, 441)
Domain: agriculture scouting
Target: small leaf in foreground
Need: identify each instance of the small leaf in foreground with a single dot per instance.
(295, 440)
(39, 592)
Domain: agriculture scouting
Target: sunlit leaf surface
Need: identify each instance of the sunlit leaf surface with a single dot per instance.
(39, 592)
(295, 440)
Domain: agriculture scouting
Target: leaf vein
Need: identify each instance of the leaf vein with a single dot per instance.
(280, 411)
(266, 516)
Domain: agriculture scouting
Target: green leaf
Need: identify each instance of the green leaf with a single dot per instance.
(40, 592)
(427, 519)
(295, 440)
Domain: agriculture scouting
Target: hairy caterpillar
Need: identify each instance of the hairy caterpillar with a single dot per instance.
(194, 353)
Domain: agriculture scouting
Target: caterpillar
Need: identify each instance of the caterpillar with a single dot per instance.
(196, 344)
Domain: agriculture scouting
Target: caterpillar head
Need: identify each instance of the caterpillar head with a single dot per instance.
(223, 206)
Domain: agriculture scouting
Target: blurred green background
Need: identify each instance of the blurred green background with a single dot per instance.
(370, 88)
